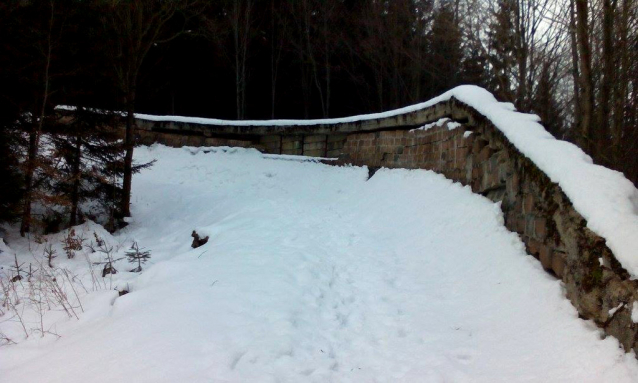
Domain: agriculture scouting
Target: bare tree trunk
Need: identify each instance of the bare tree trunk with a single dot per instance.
(75, 191)
(521, 55)
(34, 136)
(273, 61)
(622, 83)
(307, 69)
(32, 153)
(380, 89)
(310, 51)
(136, 27)
(327, 66)
(237, 60)
(604, 112)
(575, 71)
(241, 22)
(129, 145)
(395, 60)
(586, 80)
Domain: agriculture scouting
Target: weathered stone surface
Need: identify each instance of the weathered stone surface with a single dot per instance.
(314, 146)
(315, 138)
(558, 264)
(545, 256)
(534, 207)
(540, 228)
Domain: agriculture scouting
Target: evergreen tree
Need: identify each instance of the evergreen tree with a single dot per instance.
(11, 181)
(137, 255)
(502, 49)
(475, 67)
(445, 51)
(545, 103)
(91, 156)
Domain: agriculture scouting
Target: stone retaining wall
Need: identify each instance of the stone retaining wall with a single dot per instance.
(475, 153)
(478, 154)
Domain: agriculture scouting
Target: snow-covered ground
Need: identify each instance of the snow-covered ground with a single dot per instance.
(312, 274)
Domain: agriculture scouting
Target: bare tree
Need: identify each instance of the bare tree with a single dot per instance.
(44, 46)
(136, 26)
(278, 36)
(585, 77)
(241, 21)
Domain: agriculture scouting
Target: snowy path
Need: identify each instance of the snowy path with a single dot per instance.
(314, 274)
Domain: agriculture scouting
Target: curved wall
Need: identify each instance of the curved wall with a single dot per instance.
(467, 148)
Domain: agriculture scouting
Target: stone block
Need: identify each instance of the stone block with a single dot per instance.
(316, 146)
(334, 153)
(540, 228)
(287, 146)
(515, 183)
(529, 225)
(461, 157)
(335, 145)
(272, 147)
(528, 203)
(485, 154)
(520, 225)
(314, 153)
(291, 138)
(291, 151)
(336, 138)
(558, 264)
(386, 134)
(478, 145)
(469, 140)
(533, 247)
(545, 256)
(315, 138)
(269, 138)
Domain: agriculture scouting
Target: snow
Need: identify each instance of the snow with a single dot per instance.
(612, 311)
(313, 274)
(451, 125)
(604, 197)
(634, 312)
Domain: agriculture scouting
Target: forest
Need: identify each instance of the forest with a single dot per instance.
(572, 62)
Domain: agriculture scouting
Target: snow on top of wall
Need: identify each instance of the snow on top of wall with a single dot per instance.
(604, 197)
(451, 125)
(309, 122)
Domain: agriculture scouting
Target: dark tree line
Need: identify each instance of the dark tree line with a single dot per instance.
(573, 62)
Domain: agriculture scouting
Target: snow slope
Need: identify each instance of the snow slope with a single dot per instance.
(313, 274)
